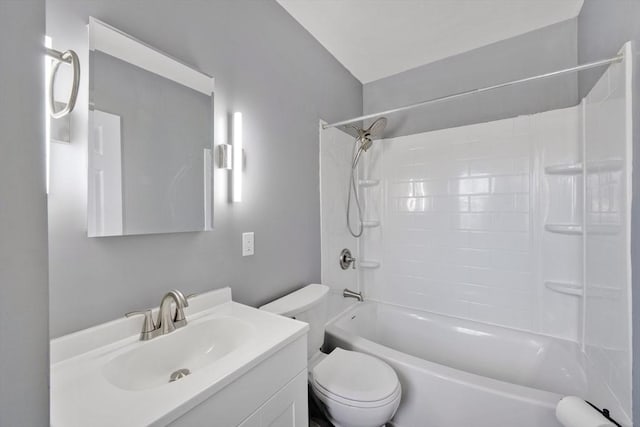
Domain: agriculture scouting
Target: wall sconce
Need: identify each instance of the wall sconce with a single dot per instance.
(230, 157)
(237, 157)
(225, 156)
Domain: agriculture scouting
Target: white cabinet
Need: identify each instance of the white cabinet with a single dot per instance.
(271, 394)
(287, 408)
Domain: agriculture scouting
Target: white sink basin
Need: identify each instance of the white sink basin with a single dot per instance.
(153, 362)
(105, 376)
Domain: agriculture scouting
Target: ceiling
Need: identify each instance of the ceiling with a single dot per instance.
(378, 38)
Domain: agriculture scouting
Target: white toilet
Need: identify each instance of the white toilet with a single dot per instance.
(353, 389)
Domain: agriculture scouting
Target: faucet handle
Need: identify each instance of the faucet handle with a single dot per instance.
(346, 259)
(181, 302)
(148, 325)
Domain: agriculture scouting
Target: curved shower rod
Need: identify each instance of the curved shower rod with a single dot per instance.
(577, 68)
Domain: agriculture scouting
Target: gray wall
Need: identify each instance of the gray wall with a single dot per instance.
(266, 66)
(536, 52)
(24, 344)
(603, 26)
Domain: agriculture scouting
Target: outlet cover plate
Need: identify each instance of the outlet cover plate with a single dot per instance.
(247, 244)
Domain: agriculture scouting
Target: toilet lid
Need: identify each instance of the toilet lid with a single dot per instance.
(355, 376)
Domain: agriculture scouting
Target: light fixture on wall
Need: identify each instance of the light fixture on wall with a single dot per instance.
(225, 156)
(237, 157)
(57, 114)
(230, 156)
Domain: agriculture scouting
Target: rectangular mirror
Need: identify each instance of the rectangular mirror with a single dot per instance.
(150, 139)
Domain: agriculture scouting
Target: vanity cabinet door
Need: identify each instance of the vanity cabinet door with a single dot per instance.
(287, 408)
(274, 393)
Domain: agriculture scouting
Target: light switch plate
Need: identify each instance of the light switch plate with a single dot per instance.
(247, 244)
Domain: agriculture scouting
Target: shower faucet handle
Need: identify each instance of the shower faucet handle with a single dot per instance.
(346, 259)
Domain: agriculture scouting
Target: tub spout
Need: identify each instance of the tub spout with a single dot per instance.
(347, 293)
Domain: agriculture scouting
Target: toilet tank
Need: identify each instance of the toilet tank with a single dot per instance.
(309, 305)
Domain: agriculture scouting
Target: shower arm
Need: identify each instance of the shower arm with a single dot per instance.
(587, 66)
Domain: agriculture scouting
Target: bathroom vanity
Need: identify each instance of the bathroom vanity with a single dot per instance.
(230, 365)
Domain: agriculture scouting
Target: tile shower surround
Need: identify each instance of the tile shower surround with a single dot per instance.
(460, 208)
(469, 222)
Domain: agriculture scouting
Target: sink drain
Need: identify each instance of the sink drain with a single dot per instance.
(180, 373)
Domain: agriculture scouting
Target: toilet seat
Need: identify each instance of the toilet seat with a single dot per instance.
(327, 397)
(355, 379)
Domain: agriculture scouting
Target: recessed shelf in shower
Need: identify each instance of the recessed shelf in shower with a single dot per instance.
(565, 169)
(371, 223)
(606, 165)
(577, 289)
(368, 182)
(571, 229)
(369, 264)
(567, 288)
(576, 229)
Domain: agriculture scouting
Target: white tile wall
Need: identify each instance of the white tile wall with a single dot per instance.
(460, 230)
(607, 335)
(335, 161)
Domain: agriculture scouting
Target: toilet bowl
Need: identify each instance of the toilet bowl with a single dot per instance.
(353, 389)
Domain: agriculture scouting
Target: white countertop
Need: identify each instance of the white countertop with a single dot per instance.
(82, 396)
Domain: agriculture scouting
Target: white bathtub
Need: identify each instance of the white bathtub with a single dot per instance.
(458, 373)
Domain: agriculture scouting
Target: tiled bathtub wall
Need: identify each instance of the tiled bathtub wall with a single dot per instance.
(462, 215)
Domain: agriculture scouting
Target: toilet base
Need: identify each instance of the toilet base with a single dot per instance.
(349, 416)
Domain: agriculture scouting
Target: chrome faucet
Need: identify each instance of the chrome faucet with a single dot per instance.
(166, 321)
(348, 293)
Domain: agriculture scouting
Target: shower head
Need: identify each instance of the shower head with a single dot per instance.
(366, 136)
(377, 127)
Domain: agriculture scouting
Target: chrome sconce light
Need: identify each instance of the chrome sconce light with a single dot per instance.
(225, 156)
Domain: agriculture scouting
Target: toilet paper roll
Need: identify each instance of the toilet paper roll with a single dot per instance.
(572, 411)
